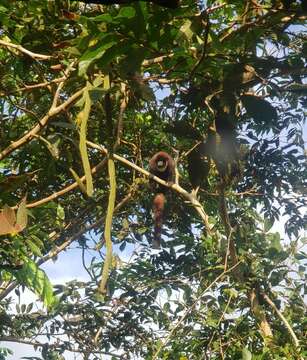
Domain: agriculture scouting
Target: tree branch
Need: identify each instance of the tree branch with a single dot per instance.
(227, 33)
(54, 110)
(66, 189)
(40, 85)
(157, 60)
(25, 51)
(189, 197)
(282, 318)
(260, 315)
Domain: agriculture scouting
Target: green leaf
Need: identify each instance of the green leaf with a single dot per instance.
(231, 292)
(60, 212)
(54, 141)
(126, 12)
(60, 215)
(38, 242)
(62, 124)
(259, 109)
(34, 248)
(35, 279)
(186, 29)
(106, 83)
(246, 354)
(3, 9)
(268, 223)
(166, 307)
(187, 293)
(96, 52)
(168, 290)
(274, 239)
(114, 52)
(102, 18)
(125, 223)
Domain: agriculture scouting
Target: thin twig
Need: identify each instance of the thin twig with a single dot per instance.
(25, 110)
(162, 81)
(218, 323)
(40, 85)
(204, 49)
(54, 110)
(66, 189)
(183, 317)
(260, 23)
(53, 253)
(157, 60)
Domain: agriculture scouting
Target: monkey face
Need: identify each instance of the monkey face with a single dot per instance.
(161, 165)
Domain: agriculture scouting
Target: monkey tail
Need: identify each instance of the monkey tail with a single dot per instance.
(158, 207)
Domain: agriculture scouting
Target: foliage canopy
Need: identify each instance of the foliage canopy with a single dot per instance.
(89, 93)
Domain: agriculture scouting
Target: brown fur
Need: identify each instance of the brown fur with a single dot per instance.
(163, 166)
(158, 208)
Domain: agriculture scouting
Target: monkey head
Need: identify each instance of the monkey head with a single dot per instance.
(163, 166)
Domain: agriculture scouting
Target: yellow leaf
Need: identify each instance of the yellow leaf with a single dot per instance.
(22, 216)
(7, 220)
(9, 213)
(79, 118)
(106, 82)
(8, 223)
